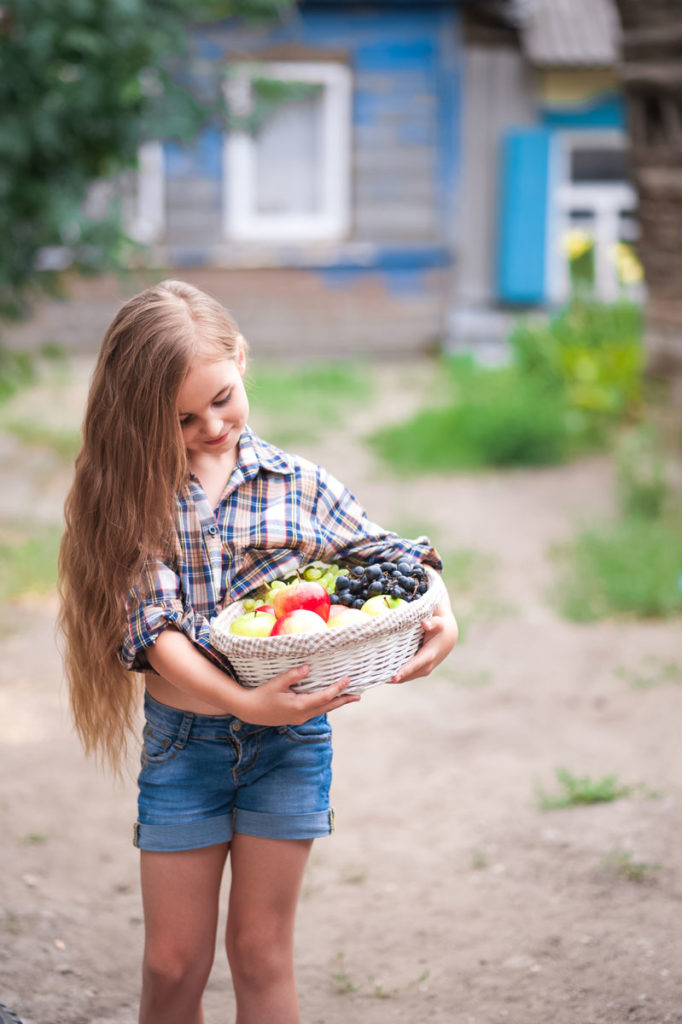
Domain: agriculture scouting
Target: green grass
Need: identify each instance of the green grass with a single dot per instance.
(296, 403)
(496, 418)
(28, 562)
(64, 443)
(575, 790)
(650, 672)
(631, 567)
(623, 864)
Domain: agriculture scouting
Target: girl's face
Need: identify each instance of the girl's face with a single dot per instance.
(213, 407)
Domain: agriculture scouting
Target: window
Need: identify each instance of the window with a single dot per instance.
(591, 194)
(287, 151)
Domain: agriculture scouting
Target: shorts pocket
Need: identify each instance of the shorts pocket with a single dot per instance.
(315, 730)
(158, 745)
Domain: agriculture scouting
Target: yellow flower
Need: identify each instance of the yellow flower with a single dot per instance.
(576, 242)
(628, 267)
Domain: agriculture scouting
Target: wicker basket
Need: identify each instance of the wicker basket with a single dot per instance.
(369, 653)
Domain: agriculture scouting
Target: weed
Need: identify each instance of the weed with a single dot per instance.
(345, 985)
(28, 562)
(631, 567)
(11, 924)
(17, 371)
(342, 979)
(479, 861)
(576, 790)
(651, 671)
(622, 863)
(641, 476)
(36, 838)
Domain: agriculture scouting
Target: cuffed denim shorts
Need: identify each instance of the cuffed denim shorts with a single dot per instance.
(204, 777)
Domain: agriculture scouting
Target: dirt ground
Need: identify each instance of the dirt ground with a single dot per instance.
(446, 895)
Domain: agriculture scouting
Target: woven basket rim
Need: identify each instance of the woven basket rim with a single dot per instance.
(304, 645)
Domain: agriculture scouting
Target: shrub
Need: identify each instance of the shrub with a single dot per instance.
(498, 418)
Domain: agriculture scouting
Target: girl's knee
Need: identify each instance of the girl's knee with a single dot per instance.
(259, 955)
(172, 970)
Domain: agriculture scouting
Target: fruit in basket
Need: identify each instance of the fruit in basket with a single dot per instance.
(265, 608)
(381, 604)
(301, 595)
(300, 620)
(405, 579)
(255, 623)
(346, 617)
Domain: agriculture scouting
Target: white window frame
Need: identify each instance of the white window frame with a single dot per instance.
(148, 219)
(604, 200)
(241, 219)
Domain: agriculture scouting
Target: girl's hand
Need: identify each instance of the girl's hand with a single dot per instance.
(441, 636)
(275, 703)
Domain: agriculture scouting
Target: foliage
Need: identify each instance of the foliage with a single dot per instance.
(266, 96)
(16, 371)
(641, 476)
(581, 789)
(82, 84)
(496, 417)
(571, 380)
(591, 356)
(632, 565)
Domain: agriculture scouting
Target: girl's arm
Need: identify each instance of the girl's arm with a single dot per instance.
(441, 636)
(175, 658)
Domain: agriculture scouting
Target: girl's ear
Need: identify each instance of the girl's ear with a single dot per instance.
(240, 358)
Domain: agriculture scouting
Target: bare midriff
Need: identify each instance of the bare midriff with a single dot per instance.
(166, 693)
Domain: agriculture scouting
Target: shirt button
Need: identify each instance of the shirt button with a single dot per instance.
(212, 530)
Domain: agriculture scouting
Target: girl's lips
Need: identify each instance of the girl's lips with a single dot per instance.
(218, 440)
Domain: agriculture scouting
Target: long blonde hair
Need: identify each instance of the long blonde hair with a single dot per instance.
(121, 508)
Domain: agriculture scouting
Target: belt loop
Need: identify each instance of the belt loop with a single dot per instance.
(185, 728)
(136, 834)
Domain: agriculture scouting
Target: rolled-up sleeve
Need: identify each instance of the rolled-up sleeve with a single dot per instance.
(348, 534)
(153, 605)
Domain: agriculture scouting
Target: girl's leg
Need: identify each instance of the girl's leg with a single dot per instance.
(266, 882)
(180, 896)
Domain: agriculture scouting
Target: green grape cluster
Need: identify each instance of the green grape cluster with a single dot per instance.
(318, 572)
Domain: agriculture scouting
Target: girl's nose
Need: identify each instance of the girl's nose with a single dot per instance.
(213, 425)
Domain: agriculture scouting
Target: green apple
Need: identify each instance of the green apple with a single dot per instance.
(253, 624)
(380, 604)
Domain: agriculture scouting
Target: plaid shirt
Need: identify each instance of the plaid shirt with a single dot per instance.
(278, 512)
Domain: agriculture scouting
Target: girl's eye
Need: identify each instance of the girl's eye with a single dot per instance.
(185, 420)
(224, 400)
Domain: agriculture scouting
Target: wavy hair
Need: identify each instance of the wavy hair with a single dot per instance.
(121, 506)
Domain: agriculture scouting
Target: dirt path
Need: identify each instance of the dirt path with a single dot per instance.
(445, 895)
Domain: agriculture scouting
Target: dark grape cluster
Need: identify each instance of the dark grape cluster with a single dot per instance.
(405, 578)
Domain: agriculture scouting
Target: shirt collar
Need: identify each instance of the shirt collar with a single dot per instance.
(256, 454)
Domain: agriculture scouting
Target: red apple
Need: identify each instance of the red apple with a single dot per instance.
(266, 608)
(299, 621)
(301, 595)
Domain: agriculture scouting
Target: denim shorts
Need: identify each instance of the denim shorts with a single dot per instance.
(204, 777)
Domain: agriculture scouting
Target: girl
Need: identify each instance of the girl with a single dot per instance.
(177, 508)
